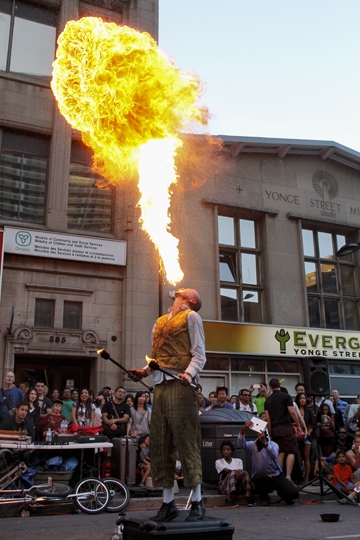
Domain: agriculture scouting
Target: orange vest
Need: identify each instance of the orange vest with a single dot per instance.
(171, 341)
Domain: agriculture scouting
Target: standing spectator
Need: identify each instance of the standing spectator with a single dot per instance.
(22, 387)
(222, 402)
(99, 403)
(338, 417)
(10, 396)
(139, 424)
(266, 473)
(339, 404)
(232, 476)
(148, 400)
(55, 394)
(115, 415)
(34, 409)
(83, 410)
(129, 399)
(245, 403)
(260, 399)
(234, 400)
(326, 425)
(352, 415)
(67, 403)
(305, 444)
(318, 400)
(279, 410)
(75, 395)
(45, 403)
(212, 399)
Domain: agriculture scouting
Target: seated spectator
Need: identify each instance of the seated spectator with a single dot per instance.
(53, 420)
(206, 400)
(245, 403)
(178, 470)
(232, 476)
(353, 457)
(19, 421)
(83, 410)
(266, 474)
(343, 474)
(99, 403)
(139, 424)
(34, 409)
(326, 426)
(222, 402)
(212, 399)
(202, 407)
(144, 458)
(10, 396)
(355, 492)
(67, 403)
(115, 415)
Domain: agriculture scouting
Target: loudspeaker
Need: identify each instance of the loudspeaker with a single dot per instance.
(316, 376)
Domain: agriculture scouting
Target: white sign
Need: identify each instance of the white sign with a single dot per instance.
(64, 246)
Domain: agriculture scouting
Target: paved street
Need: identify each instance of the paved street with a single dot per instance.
(280, 522)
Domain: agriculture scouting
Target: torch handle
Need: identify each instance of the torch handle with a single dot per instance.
(150, 388)
(166, 372)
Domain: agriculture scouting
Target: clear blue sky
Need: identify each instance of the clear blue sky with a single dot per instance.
(272, 68)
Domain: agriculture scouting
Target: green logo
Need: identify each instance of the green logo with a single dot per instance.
(23, 238)
(282, 337)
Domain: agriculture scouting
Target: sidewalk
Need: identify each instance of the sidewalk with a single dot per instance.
(143, 499)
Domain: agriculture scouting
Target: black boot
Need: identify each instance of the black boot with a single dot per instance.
(167, 512)
(197, 511)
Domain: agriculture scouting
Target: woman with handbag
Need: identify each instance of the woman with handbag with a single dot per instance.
(305, 442)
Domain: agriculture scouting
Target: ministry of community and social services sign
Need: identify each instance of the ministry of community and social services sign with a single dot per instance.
(64, 246)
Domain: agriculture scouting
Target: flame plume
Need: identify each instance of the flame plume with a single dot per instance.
(121, 91)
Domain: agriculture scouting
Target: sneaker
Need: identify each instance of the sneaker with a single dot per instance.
(250, 501)
(197, 511)
(343, 501)
(167, 512)
(141, 484)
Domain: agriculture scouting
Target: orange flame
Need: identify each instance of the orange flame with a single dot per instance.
(121, 91)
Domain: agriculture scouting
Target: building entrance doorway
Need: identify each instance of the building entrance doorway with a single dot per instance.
(55, 372)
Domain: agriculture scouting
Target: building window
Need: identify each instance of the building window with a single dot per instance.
(239, 269)
(44, 313)
(72, 315)
(90, 199)
(27, 37)
(331, 283)
(23, 169)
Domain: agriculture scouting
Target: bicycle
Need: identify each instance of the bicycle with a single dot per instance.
(90, 495)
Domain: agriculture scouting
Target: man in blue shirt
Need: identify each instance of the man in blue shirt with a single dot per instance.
(266, 472)
(222, 402)
(9, 395)
(340, 404)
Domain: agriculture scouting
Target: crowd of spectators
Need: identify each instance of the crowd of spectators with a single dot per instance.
(326, 429)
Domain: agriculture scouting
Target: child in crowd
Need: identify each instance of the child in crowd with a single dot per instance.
(343, 474)
(353, 495)
(144, 458)
(53, 420)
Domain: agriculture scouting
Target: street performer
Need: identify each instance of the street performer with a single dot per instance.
(178, 345)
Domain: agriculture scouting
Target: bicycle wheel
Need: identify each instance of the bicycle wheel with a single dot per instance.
(55, 490)
(119, 495)
(92, 496)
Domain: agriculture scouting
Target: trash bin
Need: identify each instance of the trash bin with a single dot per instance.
(218, 425)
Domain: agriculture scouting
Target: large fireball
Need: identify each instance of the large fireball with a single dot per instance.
(121, 91)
